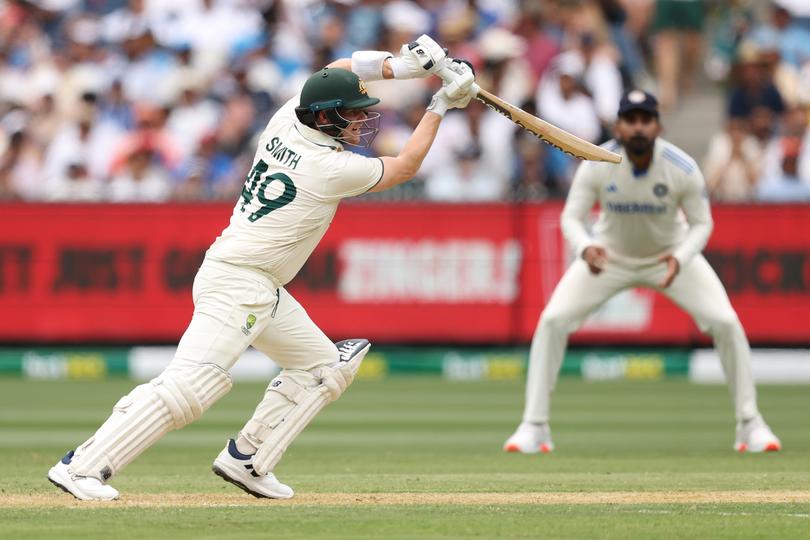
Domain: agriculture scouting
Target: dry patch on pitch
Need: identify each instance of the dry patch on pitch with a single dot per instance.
(191, 500)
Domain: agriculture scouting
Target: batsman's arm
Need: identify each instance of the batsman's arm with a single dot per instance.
(346, 63)
(417, 60)
(403, 167)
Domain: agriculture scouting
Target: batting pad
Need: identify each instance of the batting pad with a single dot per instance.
(334, 380)
(175, 398)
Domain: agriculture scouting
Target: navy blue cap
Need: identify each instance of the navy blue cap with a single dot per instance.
(638, 100)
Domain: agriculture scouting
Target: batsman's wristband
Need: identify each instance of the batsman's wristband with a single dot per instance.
(368, 65)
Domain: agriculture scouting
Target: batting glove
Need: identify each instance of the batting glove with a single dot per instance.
(418, 59)
(442, 102)
(458, 77)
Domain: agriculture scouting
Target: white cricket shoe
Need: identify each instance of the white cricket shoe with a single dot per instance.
(530, 438)
(85, 488)
(755, 436)
(237, 468)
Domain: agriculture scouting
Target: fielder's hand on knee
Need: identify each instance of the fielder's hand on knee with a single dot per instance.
(596, 257)
(418, 59)
(673, 267)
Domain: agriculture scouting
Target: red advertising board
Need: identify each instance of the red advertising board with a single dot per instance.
(404, 273)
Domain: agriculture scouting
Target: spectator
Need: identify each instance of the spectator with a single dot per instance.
(631, 63)
(732, 164)
(791, 40)
(506, 71)
(540, 47)
(601, 77)
(734, 21)
(786, 186)
(85, 141)
(477, 128)
(794, 127)
(464, 179)
(129, 20)
(762, 124)
(754, 86)
(141, 179)
(19, 165)
(677, 22)
(192, 116)
(75, 185)
(212, 172)
(561, 101)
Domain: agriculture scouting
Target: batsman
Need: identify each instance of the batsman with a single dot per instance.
(301, 171)
(640, 239)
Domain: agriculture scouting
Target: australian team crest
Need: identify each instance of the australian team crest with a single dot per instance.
(249, 322)
(362, 86)
(660, 190)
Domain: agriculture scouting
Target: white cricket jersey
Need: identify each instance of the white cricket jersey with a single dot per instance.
(290, 196)
(641, 215)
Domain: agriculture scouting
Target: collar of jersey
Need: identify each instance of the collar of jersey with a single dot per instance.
(317, 137)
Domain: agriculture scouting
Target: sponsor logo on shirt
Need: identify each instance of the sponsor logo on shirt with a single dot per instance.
(636, 208)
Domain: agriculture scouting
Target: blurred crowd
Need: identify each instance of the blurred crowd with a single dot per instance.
(159, 100)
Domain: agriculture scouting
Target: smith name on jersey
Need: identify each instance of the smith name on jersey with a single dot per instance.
(290, 196)
(643, 214)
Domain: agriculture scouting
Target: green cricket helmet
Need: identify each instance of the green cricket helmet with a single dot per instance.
(333, 90)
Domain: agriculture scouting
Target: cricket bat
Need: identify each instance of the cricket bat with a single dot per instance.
(546, 132)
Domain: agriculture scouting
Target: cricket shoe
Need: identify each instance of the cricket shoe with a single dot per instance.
(755, 436)
(530, 439)
(85, 488)
(237, 468)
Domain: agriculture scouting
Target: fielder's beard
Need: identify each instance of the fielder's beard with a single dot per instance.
(638, 145)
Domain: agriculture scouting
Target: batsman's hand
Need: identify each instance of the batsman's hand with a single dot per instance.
(673, 267)
(442, 102)
(458, 77)
(418, 59)
(596, 257)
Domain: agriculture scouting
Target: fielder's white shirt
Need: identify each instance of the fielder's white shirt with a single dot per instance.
(643, 214)
(290, 196)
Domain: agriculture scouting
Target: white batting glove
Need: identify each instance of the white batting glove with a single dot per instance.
(458, 77)
(418, 59)
(442, 102)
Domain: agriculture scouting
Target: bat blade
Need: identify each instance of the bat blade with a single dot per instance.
(548, 133)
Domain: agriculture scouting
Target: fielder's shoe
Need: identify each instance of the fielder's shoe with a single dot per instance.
(530, 439)
(755, 436)
(85, 488)
(237, 468)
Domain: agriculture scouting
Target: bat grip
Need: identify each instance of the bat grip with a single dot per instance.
(456, 84)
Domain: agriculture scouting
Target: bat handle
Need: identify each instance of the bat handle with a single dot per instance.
(455, 83)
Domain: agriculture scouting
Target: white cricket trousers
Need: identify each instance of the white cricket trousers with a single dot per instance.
(696, 289)
(234, 307)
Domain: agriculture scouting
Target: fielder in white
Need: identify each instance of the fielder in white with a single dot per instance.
(640, 239)
(300, 173)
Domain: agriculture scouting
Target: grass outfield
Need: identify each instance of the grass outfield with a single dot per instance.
(420, 458)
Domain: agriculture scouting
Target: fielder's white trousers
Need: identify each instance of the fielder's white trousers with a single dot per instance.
(696, 289)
